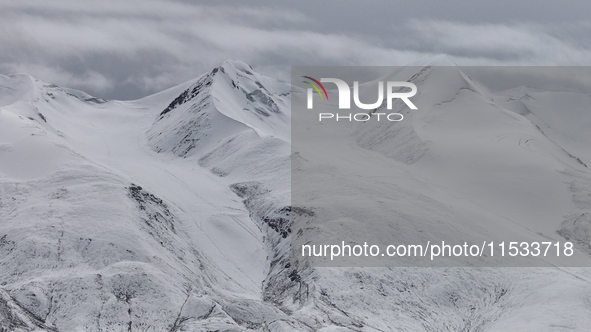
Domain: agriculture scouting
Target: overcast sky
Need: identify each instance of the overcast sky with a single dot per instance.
(129, 49)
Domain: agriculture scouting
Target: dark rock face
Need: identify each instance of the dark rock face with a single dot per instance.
(192, 92)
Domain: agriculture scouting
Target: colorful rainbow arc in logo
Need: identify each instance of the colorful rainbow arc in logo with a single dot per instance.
(316, 86)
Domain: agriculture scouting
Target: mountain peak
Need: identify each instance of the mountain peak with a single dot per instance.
(226, 101)
(439, 60)
(23, 87)
(15, 87)
(236, 64)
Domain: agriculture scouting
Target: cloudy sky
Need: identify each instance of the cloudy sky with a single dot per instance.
(129, 49)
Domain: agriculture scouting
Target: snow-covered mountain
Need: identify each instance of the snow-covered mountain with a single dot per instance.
(466, 168)
(173, 212)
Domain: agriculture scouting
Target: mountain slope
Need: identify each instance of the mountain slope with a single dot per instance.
(101, 233)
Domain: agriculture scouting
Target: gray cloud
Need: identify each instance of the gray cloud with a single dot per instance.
(128, 49)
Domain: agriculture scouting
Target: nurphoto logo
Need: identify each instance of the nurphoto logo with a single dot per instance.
(344, 98)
